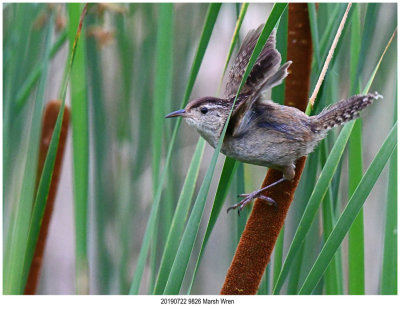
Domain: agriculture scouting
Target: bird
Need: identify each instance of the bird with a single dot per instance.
(260, 131)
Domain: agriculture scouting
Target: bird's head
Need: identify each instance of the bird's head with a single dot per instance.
(207, 115)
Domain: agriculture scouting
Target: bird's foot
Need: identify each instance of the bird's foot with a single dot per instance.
(248, 198)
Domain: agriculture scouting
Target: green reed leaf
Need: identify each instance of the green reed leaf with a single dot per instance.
(80, 145)
(350, 212)
(13, 279)
(205, 37)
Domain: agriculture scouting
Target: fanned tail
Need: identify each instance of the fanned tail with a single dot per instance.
(342, 111)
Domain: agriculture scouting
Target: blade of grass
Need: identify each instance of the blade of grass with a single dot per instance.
(389, 266)
(307, 183)
(329, 57)
(40, 94)
(162, 98)
(181, 261)
(211, 17)
(278, 92)
(366, 40)
(228, 170)
(16, 60)
(139, 73)
(31, 80)
(48, 125)
(326, 18)
(307, 253)
(371, 79)
(230, 165)
(80, 144)
(126, 56)
(335, 184)
(42, 194)
(328, 36)
(124, 217)
(278, 95)
(235, 37)
(143, 90)
(178, 221)
(322, 186)
(315, 200)
(350, 212)
(240, 188)
(355, 168)
(101, 142)
(294, 276)
(162, 82)
(264, 288)
(312, 11)
(333, 277)
(321, 97)
(322, 47)
(18, 236)
(367, 87)
(278, 255)
(331, 77)
(186, 246)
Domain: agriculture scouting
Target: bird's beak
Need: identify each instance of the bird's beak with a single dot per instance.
(177, 113)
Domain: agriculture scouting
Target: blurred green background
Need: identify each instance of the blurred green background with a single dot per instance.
(135, 71)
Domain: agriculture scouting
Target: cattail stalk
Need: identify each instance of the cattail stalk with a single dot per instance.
(49, 122)
(265, 222)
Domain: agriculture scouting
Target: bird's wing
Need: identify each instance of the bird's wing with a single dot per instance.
(265, 74)
(267, 62)
(268, 115)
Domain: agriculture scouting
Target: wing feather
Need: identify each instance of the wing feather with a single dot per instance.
(266, 73)
(267, 62)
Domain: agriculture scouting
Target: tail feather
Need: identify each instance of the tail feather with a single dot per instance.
(343, 111)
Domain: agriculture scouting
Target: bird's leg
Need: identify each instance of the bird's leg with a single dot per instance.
(255, 194)
(288, 174)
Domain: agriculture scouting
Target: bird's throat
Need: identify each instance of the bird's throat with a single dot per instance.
(211, 135)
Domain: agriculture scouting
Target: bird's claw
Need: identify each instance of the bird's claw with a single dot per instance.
(269, 200)
(241, 204)
(248, 198)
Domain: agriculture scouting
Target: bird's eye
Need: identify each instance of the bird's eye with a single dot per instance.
(204, 110)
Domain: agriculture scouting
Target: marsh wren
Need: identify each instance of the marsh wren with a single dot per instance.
(260, 131)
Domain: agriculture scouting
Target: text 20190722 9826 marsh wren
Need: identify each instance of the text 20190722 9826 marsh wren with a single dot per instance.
(260, 131)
